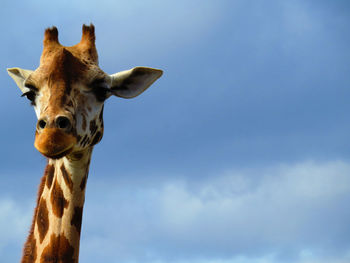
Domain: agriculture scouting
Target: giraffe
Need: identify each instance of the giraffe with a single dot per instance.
(68, 91)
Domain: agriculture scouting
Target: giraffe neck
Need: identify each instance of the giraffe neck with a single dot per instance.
(55, 231)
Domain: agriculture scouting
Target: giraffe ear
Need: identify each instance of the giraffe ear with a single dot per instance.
(19, 76)
(131, 83)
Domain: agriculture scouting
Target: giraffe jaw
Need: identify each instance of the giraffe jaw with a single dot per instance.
(53, 143)
(58, 155)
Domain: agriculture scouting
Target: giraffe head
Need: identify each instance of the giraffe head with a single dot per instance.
(68, 91)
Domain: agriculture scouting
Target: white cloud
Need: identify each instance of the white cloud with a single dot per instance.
(281, 211)
(13, 221)
(14, 225)
(252, 215)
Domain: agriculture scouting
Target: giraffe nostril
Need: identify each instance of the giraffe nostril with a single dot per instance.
(63, 122)
(42, 124)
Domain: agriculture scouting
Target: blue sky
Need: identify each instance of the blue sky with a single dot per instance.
(240, 153)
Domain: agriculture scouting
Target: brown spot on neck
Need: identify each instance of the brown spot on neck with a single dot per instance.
(59, 203)
(49, 172)
(42, 220)
(58, 250)
(77, 218)
(67, 178)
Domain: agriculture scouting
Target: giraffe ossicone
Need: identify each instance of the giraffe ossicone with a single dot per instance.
(68, 91)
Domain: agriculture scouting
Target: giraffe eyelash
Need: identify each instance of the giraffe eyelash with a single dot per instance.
(31, 87)
(30, 95)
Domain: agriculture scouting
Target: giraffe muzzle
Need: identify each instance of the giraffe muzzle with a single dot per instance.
(54, 143)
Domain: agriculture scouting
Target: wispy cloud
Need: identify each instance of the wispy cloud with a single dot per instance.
(14, 224)
(283, 211)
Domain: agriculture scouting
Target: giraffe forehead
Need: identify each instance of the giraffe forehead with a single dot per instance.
(62, 66)
(62, 71)
(65, 66)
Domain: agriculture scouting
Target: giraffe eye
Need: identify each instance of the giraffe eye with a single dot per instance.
(30, 95)
(101, 93)
(100, 89)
